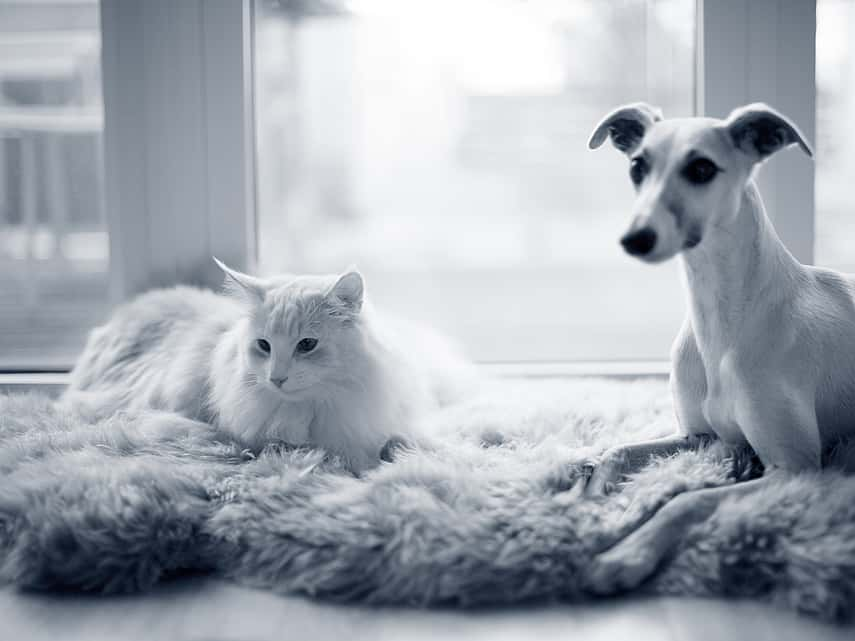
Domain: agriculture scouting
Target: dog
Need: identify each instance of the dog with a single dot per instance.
(766, 355)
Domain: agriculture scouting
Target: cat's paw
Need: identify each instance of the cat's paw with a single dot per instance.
(392, 447)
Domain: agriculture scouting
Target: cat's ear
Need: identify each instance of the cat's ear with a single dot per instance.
(348, 290)
(242, 285)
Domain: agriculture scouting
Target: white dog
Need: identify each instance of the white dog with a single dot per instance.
(766, 355)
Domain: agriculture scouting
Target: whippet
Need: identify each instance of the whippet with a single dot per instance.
(766, 355)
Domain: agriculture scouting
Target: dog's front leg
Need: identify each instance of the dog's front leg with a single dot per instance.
(626, 459)
(636, 557)
(779, 420)
(688, 382)
(689, 388)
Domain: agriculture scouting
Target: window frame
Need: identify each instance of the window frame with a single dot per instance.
(179, 146)
(765, 51)
(202, 51)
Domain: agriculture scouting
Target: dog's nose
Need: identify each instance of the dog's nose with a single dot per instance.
(640, 242)
(278, 382)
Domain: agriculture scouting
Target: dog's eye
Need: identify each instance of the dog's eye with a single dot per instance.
(306, 345)
(263, 346)
(700, 171)
(637, 170)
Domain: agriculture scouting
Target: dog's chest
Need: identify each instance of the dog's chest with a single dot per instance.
(719, 406)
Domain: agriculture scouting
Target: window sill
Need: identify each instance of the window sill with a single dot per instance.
(567, 369)
(53, 382)
(50, 382)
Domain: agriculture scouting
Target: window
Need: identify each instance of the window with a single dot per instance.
(440, 147)
(53, 241)
(835, 144)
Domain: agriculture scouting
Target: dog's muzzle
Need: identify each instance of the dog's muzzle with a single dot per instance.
(639, 242)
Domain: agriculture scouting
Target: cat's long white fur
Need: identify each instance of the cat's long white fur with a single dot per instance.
(194, 352)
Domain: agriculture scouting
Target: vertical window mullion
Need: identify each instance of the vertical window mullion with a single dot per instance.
(178, 139)
(764, 51)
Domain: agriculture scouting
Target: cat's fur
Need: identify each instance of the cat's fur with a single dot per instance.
(195, 352)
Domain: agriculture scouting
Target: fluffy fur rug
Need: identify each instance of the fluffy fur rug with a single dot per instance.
(487, 514)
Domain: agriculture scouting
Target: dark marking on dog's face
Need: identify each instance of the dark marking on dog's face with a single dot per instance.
(693, 237)
(675, 206)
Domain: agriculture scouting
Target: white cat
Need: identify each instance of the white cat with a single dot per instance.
(301, 359)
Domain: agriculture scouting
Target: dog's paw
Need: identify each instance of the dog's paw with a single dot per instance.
(603, 477)
(623, 568)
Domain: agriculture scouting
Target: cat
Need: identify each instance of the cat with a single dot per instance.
(299, 359)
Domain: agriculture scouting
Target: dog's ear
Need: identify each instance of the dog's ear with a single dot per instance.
(760, 131)
(626, 126)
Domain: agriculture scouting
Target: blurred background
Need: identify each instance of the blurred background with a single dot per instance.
(53, 240)
(439, 146)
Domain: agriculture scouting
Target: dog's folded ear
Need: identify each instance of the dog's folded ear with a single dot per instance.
(760, 131)
(626, 126)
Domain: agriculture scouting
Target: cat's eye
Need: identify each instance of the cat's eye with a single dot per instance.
(638, 170)
(700, 171)
(306, 345)
(263, 346)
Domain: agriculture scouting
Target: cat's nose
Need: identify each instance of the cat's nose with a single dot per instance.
(278, 382)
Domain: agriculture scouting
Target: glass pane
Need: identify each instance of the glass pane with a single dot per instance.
(441, 147)
(835, 137)
(53, 242)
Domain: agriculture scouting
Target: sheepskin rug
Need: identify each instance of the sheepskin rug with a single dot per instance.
(487, 512)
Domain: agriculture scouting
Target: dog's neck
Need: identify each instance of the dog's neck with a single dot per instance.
(737, 275)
